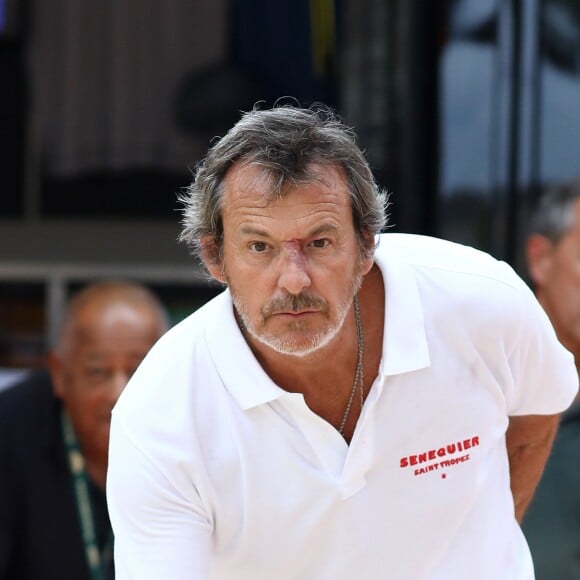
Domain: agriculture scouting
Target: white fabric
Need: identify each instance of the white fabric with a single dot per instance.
(216, 473)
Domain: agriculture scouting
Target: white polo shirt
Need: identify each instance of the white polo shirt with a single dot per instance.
(217, 473)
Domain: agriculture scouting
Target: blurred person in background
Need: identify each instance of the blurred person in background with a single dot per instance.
(552, 524)
(54, 436)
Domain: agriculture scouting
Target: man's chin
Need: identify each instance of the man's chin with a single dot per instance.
(297, 346)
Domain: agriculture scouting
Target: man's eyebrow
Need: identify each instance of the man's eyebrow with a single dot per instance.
(323, 229)
(253, 231)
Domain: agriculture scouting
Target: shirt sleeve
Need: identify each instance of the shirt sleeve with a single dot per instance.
(545, 379)
(159, 531)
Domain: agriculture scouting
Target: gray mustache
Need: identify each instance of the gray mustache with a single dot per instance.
(293, 303)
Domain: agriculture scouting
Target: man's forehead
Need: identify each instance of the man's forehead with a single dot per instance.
(95, 320)
(252, 178)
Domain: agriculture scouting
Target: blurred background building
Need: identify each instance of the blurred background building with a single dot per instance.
(466, 108)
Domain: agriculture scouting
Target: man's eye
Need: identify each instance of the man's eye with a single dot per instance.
(96, 372)
(321, 243)
(258, 247)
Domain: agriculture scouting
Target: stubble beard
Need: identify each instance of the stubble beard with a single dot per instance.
(314, 340)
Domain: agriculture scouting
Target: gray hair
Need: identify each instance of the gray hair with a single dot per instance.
(553, 216)
(285, 141)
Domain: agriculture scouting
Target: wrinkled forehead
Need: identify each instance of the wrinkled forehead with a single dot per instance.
(273, 182)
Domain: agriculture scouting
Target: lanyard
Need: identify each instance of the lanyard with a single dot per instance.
(76, 462)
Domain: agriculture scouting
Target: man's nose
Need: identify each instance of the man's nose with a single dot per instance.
(294, 276)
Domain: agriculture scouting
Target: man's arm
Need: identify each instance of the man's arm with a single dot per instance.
(160, 532)
(529, 440)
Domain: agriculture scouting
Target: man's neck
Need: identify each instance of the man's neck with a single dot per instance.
(325, 377)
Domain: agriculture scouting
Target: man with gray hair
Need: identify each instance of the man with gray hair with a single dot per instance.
(553, 257)
(552, 524)
(353, 405)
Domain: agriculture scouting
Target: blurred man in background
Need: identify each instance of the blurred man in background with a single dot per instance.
(54, 436)
(553, 255)
(552, 524)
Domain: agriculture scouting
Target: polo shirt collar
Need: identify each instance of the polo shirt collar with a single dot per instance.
(234, 360)
(405, 347)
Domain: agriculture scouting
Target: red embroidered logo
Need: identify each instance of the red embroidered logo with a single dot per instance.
(440, 458)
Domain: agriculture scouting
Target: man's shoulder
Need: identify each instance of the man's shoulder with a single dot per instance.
(26, 405)
(27, 393)
(460, 282)
(180, 360)
(440, 257)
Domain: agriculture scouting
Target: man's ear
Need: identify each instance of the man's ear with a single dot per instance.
(55, 368)
(539, 255)
(212, 258)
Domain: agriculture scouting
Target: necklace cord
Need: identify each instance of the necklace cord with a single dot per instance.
(359, 374)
